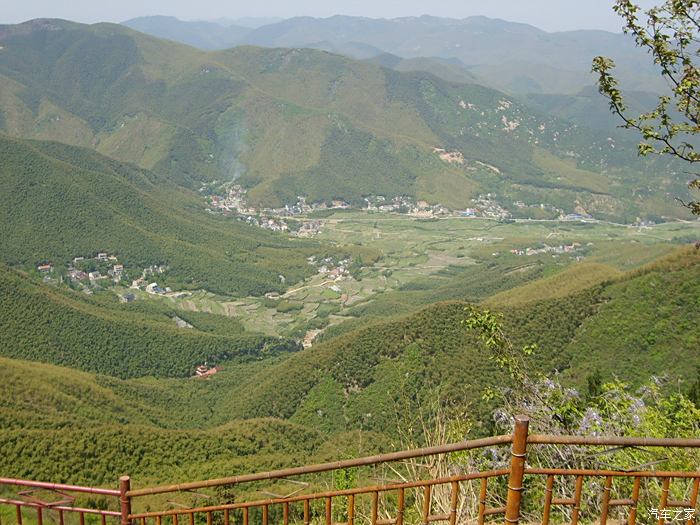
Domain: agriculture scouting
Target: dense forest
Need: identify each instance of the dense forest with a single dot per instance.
(66, 328)
(61, 202)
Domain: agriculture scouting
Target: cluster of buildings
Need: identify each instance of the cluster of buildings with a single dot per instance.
(274, 224)
(301, 207)
(93, 269)
(486, 206)
(151, 288)
(90, 272)
(86, 272)
(309, 228)
(270, 218)
(404, 204)
(235, 201)
(331, 269)
(564, 248)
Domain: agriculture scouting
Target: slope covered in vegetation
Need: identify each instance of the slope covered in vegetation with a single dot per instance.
(362, 380)
(66, 328)
(157, 431)
(59, 202)
(290, 122)
(370, 369)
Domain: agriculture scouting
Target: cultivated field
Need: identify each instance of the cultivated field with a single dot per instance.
(433, 259)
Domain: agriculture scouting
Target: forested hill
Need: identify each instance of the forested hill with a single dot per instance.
(153, 430)
(59, 202)
(315, 401)
(290, 122)
(630, 327)
(99, 335)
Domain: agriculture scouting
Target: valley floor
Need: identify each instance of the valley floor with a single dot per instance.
(423, 254)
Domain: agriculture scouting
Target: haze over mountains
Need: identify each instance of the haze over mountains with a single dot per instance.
(514, 57)
(291, 122)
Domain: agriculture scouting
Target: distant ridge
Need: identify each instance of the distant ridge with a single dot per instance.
(252, 22)
(201, 34)
(512, 56)
(299, 122)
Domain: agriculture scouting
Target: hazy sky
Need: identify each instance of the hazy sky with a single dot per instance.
(551, 15)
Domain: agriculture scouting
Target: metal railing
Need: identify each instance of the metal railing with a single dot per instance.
(32, 496)
(501, 492)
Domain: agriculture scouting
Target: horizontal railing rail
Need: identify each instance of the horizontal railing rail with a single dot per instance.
(49, 500)
(541, 439)
(58, 486)
(326, 467)
(329, 494)
(550, 439)
(61, 508)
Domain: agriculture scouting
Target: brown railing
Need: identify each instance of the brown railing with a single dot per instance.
(55, 499)
(515, 492)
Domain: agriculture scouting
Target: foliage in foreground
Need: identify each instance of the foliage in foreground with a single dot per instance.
(669, 32)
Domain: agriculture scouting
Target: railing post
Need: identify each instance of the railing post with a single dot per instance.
(517, 469)
(124, 499)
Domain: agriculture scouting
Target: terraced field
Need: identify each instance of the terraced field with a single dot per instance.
(422, 260)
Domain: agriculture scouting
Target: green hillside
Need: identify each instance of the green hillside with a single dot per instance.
(308, 405)
(49, 325)
(106, 427)
(59, 202)
(647, 323)
(368, 370)
(567, 282)
(289, 122)
(587, 107)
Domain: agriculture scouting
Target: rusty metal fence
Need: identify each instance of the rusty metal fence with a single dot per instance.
(495, 495)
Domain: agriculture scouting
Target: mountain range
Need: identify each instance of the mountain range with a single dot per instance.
(514, 57)
(291, 122)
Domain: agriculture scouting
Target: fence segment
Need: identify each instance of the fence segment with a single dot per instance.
(497, 495)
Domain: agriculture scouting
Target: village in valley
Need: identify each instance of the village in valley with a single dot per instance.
(104, 270)
(304, 219)
(409, 250)
(545, 248)
(414, 242)
(298, 218)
